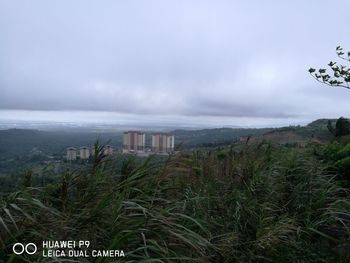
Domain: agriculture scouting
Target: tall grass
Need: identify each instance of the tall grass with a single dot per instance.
(257, 203)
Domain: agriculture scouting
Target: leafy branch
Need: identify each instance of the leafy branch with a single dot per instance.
(339, 75)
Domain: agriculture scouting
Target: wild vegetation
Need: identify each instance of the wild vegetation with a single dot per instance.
(241, 203)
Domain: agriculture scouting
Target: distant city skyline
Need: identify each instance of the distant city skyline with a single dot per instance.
(187, 62)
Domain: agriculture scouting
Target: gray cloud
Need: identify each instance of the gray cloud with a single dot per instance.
(186, 58)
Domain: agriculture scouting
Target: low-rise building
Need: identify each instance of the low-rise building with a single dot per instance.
(71, 154)
(108, 150)
(84, 153)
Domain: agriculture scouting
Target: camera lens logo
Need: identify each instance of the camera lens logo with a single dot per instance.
(29, 248)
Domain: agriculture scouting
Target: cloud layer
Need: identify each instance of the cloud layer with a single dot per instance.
(186, 58)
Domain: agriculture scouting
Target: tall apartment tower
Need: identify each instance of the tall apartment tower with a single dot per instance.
(84, 153)
(71, 154)
(162, 143)
(134, 141)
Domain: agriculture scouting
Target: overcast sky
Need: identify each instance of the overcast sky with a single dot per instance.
(216, 62)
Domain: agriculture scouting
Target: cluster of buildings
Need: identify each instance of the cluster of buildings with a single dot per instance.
(134, 142)
(84, 153)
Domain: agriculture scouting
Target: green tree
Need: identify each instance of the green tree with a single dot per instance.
(342, 127)
(338, 75)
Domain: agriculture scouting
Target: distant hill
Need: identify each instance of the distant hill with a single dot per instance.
(321, 123)
(315, 132)
(214, 137)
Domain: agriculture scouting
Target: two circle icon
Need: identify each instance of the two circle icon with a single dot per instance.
(20, 248)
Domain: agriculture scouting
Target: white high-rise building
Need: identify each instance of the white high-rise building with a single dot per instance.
(134, 141)
(163, 143)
